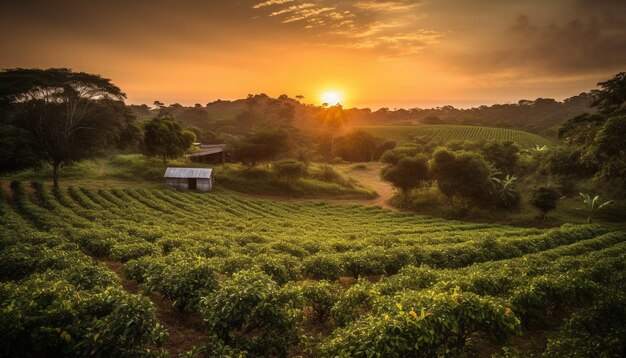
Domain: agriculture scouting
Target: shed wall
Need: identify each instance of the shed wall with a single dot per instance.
(177, 183)
(183, 184)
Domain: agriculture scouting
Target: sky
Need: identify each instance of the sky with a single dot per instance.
(375, 53)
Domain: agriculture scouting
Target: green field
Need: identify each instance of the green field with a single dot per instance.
(434, 287)
(446, 133)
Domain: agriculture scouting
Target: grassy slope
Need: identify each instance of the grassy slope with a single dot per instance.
(136, 170)
(445, 133)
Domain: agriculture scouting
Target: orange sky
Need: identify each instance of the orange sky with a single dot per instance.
(393, 53)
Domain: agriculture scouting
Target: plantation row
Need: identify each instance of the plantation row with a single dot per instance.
(269, 277)
(446, 133)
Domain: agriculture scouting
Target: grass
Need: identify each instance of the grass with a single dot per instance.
(320, 181)
(137, 170)
(446, 133)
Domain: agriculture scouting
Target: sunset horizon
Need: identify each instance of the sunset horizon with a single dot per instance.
(392, 53)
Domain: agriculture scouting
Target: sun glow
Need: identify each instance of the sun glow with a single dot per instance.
(332, 98)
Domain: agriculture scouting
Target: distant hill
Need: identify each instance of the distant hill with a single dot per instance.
(446, 133)
(541, 116)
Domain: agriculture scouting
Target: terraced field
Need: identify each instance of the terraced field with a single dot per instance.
(446, 133)
(273, 278)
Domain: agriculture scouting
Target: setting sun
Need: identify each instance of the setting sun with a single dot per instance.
(332, 98)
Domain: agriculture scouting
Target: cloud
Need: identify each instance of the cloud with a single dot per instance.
(388, 25)
(567, 47)
(386, 5)
(271, 2)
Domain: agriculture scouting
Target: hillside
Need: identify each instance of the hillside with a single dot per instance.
(446, 133)
(187, 247)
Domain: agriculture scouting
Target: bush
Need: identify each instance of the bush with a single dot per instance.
(462, 174)
(52, 318)
(545, 198)
(289, 168)
(355, 302)
(250, 312)
(598, 331)
(321, 296)
(322, 267)
(423, 324)
(281, 268)
(408, 173)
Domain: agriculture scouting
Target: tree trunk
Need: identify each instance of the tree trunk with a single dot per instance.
(55, 174)
(164, 161)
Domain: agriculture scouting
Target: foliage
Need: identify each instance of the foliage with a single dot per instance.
(289, 168)
(444, 133)
(262, 145)
(249, 310)
(423, 324)
(507, 194)
(165, 137)
(596, 331)
(15, 149)
(322, 267)
(463, 174)
(361, 146)
(320, 296)
(610, 148)
(464, 274)
(409, 173)
(68, 115)
(593, 205)
(545, 198)
(610, 99)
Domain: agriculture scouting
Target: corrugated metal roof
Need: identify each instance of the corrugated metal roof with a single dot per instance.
(198, 173)
(201, 152)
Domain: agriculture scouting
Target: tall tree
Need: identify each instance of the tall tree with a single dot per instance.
(68, 115)
(164, 137)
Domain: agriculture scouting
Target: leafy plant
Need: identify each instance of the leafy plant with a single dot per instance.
(593, 205)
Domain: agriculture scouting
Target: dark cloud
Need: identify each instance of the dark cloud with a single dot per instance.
(592, 42)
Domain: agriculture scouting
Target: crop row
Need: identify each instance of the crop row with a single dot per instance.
(256, 270)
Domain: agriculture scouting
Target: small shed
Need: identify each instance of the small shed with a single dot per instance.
(189, 178)
(208, 153)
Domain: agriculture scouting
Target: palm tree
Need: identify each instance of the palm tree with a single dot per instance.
(592, 205)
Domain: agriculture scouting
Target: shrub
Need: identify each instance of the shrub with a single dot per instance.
(322, 267)
(133, 250)
(321, 296)
(598, 331)
(423, 324)
(289, 168)
(462, 174)
(408, 173)
(52, 318)
(355, 302)
(281, 268)
(250, 312)
(183, 278)
(545, 198)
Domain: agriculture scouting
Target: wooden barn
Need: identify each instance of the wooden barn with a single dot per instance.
(208, 153)
(200, 179)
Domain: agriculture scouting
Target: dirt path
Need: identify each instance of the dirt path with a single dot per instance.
(185, 329)
(369, 177)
